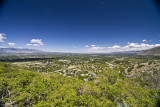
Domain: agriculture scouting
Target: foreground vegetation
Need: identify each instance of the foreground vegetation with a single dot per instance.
(30, 84)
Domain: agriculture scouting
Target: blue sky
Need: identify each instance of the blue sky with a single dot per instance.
(80, 25)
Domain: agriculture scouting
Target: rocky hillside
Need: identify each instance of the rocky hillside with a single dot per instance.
(153, 51)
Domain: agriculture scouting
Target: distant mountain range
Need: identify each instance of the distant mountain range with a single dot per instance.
(127, 52)
(18, 51)
(25, 51)
(153, 51)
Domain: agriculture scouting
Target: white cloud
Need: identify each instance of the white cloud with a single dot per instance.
(2, 37)
(98, 48)
(117, 48)
(38, 41)
(11, 44)
(35, 42)
(142, 46)
(28, 44)
(86, 46)
(93, 45)
(144, 40)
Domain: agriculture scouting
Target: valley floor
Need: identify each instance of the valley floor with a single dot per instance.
(129, 81)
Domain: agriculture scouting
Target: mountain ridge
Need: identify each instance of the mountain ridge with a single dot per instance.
(19, 51)
(26, 51)
(152, 51)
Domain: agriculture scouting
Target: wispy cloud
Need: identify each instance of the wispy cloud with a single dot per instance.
(144, 40)
(117, 48)
(35, 42)
(2, 37)
(11, 44)
(93, 45)
(86, 46)
(97, 48)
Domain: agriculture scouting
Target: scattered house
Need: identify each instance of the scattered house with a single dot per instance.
(64, 71)
(120, 59)
(73, 73)
(109, 64)
(96, 81)
(85, 80)
(62, 60)
(71, 67)
(82, 74)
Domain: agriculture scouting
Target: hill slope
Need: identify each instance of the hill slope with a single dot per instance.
(20, 87)
(153, 51)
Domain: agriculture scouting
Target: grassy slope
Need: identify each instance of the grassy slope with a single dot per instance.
(20, 87)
